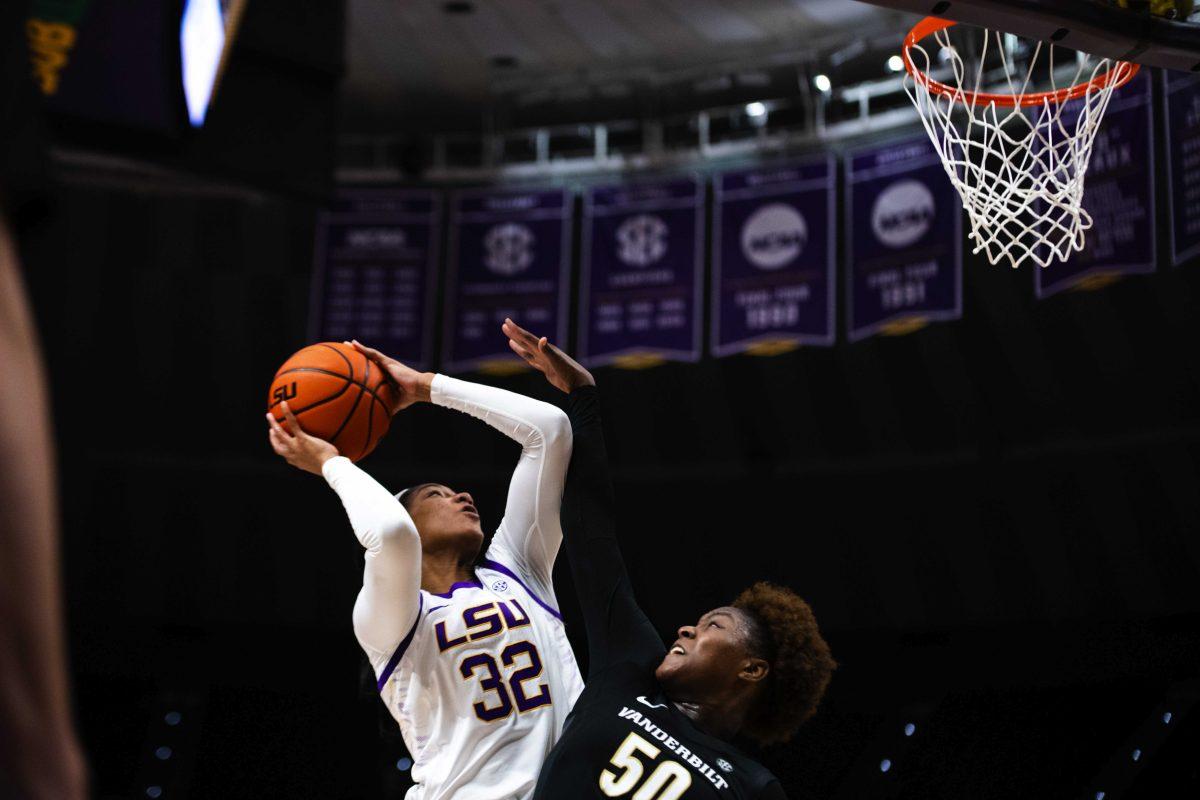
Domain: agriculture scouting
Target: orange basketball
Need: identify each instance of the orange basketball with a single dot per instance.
(337, 394)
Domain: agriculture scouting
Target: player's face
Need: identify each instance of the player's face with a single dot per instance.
(708, 657)
(446, 518)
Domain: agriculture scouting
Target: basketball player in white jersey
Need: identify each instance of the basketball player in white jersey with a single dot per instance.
(470, 654)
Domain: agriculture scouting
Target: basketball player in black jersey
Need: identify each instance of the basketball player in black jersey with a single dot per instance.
(655, 723)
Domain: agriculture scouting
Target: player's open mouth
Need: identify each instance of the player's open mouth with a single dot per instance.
(677, 650)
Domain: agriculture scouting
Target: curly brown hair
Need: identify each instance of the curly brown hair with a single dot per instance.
(785, 634)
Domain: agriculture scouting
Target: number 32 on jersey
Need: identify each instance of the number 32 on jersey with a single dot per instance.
(668, 781)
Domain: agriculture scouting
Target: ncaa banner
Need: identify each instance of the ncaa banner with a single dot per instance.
(1118, 193)
(376, 267)
(641, 279)
(903, 241)
(1182, 116)
(774, 257)
(510, 256)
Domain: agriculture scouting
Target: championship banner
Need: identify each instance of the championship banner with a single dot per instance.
(1119, 195)
(774, 258)
(376, 267)
(510, 256)
(903, 241)
(641, 280)
(1182, 117)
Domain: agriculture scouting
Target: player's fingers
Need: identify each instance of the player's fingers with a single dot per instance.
(275, 426)
(293, 423)
(522, 352)
(369, 352)
(277, 443)
(520, 334)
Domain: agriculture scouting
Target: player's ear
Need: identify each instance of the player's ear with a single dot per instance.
(754, 670)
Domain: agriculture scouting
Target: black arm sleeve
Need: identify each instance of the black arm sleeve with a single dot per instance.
(617, 629)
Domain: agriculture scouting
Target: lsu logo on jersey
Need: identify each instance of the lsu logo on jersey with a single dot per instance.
(510, 684)
(481, 622)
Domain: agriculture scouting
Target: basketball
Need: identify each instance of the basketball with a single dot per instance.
(337, 394)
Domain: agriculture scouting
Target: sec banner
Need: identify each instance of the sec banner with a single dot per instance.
(376, 262)
(1182, 116)
(904, 239)
(774, 257)
(1119, 195)
(510, 256)
(641, 278)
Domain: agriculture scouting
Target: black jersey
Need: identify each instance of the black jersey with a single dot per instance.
(624, 738)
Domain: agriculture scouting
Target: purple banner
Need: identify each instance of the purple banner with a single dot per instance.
(376, 262)
(774, 257)
(903, 241)
(510, 256)
(641, 279)
(1118, 193)
(1182, 117)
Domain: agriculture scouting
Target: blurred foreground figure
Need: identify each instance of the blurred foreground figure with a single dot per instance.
(40, 758)
(39, 755)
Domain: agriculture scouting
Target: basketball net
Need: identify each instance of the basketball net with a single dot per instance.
(1017, 158)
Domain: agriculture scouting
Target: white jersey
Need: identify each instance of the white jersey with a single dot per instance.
(481, 678)
(483, 688)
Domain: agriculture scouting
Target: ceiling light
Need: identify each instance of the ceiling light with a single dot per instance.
(756, 109)
(895, 63)
(822, 83)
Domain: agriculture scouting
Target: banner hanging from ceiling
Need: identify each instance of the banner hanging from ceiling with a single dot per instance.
(641, 278)
(1119, 196)
(903, 239)
(375, 272)
(774, 257)
(509, 256)
(1181, 114)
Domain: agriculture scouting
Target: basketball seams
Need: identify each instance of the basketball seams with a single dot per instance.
(349, 416)
(348, 381)
(342, 356)
(297, 412)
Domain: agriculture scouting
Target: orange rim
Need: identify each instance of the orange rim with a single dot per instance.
(931, 25)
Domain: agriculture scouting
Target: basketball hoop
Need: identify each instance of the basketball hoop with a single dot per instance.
(1016, 157)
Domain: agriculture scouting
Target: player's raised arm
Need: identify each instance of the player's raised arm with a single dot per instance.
(530, 533)
(388, 603)
(617, 629)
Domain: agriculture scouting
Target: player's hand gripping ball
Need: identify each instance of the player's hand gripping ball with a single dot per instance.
(337, 394)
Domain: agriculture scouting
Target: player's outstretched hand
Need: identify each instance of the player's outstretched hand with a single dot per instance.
(414, 386)
(563, 372)
(295, 446)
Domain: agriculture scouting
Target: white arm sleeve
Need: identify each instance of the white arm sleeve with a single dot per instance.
(387, 605)
(530, 533)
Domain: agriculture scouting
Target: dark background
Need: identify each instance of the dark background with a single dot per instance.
(997, 520)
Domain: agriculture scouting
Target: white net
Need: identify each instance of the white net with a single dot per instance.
(1018, 164)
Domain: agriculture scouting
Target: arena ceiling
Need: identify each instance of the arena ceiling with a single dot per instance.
(449, 65)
